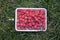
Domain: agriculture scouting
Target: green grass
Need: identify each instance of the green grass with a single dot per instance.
(7, 28)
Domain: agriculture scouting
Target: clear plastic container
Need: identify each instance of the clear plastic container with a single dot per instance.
(30, 19)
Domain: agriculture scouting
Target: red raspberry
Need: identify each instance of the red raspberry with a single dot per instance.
(18, 28)
(28, 20)
(41, 12)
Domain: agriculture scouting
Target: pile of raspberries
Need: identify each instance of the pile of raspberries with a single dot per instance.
(30, 19)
